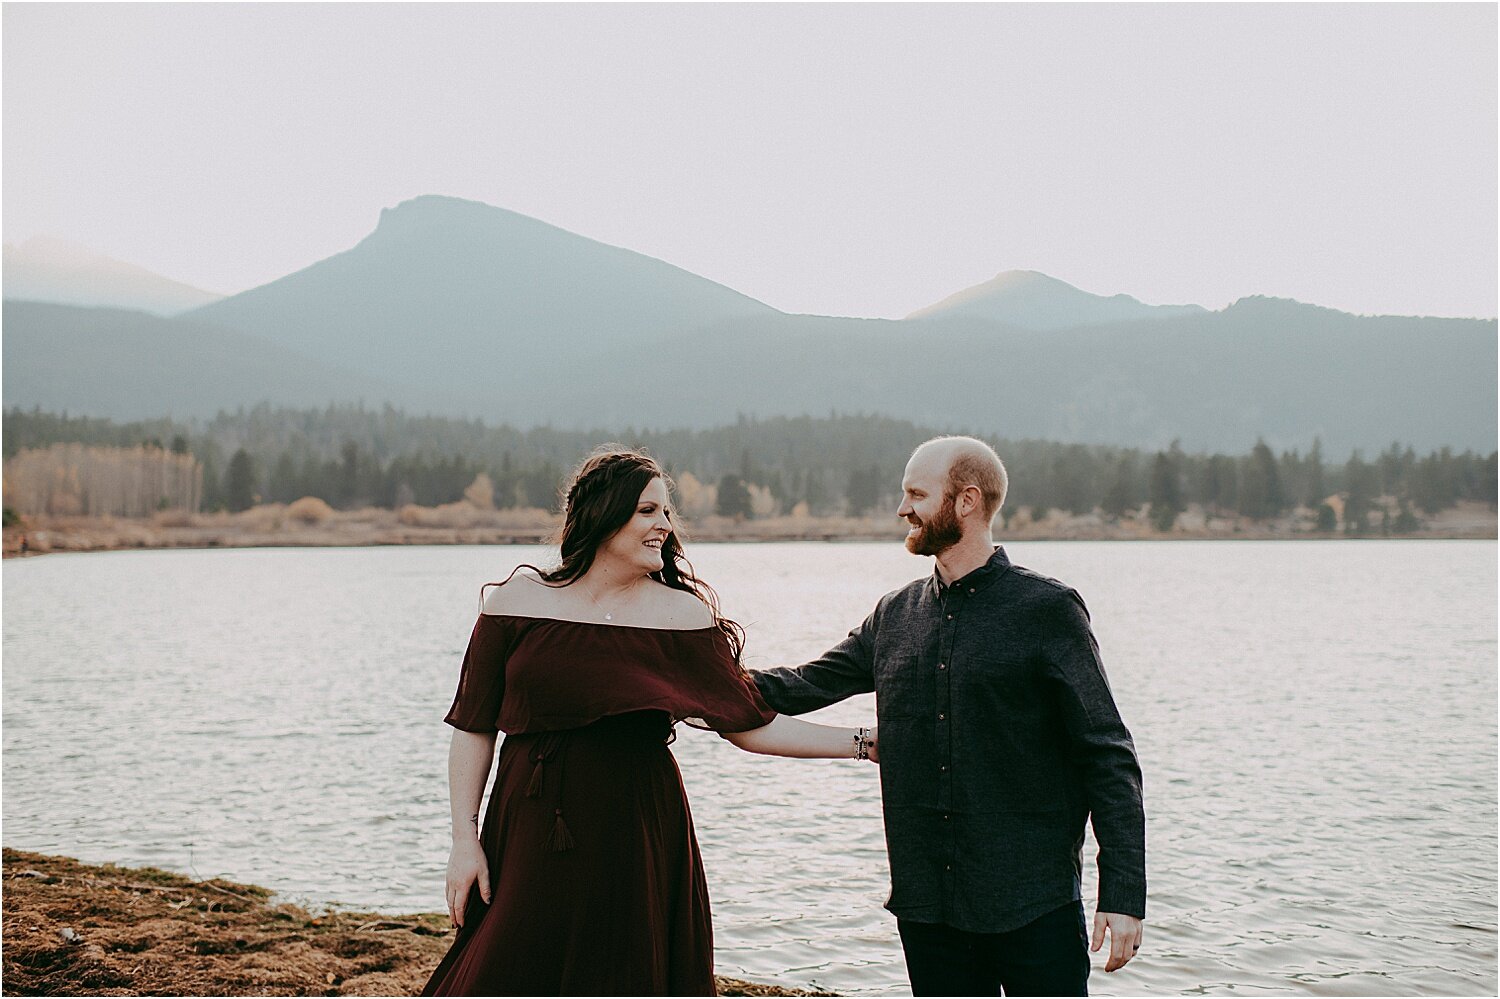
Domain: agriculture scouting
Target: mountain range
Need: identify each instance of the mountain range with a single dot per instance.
(464, 309)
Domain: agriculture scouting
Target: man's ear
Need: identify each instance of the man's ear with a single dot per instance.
(968, 500)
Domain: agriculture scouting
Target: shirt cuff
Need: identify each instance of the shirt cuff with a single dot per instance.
(1126, 899)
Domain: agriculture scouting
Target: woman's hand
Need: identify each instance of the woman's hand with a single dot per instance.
(874, 744)
(466, 865)
(469, 756)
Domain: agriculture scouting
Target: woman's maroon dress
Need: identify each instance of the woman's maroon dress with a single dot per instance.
(598, 887)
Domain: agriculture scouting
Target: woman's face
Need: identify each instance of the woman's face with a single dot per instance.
(638, 543)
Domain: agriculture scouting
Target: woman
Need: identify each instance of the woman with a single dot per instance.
(585, 877)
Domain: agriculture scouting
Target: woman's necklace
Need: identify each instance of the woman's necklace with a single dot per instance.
(609, 615)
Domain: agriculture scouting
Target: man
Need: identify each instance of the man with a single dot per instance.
(998, 738)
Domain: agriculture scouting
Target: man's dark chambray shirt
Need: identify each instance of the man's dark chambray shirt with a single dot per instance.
(999, 737)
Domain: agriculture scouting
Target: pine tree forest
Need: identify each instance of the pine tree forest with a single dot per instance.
(844, 464)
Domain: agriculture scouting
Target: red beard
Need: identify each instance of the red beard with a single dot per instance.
(938, 533)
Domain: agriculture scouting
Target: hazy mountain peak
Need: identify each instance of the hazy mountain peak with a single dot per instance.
(49, 269)
(426, 203)
(1033, 300)
(441, 218)
(497, 284)
(428, 209)
(1273, 305)
(1026, 279)
(51, 250)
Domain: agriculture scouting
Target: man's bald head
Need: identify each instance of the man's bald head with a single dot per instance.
(967, 461)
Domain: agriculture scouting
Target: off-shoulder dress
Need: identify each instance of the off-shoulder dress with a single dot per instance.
(598, 886)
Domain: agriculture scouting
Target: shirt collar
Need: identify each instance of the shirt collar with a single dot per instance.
(976, 579)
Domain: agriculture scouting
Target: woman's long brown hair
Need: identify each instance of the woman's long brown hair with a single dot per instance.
(601, 498)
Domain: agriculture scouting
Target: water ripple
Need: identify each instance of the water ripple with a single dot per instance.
(1318, 735)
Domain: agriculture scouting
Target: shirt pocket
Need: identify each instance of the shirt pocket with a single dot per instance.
(1001, 686)
(903, 691)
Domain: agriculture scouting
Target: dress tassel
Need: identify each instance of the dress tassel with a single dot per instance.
(534, 789)
(560, 839)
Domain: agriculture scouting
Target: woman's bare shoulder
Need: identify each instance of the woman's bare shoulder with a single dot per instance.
(524, 594)
(682, 610)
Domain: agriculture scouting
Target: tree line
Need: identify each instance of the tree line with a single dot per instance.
(98, 481)
(845, 464)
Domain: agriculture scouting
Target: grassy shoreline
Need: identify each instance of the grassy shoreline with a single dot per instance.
(281, 526)
(83, 929)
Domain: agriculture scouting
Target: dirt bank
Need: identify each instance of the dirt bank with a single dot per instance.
(76, 929)
(278, 525)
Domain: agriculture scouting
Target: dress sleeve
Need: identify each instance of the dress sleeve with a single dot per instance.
(481, 678)
(720, 695)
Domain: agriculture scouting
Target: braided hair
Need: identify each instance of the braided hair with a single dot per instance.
(601, 498)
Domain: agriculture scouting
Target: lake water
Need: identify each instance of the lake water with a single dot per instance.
(1316, 723)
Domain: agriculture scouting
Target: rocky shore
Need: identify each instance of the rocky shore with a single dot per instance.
(304, 525)
(78, 929)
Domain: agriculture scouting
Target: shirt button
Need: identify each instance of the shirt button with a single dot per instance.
(943, 768)
(942, 717)
(947, 867)
(971, 589)
(950, 617)
(946, 816)
(942, 665)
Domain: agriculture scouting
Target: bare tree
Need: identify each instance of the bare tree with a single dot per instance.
(102, 481)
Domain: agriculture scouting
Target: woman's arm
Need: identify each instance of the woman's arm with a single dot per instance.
(469, 757)
(787, 736)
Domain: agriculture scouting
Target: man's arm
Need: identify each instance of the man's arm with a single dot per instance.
(1103, 750)
(844, 670)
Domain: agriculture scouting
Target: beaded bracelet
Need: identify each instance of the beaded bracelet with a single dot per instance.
(862, 744)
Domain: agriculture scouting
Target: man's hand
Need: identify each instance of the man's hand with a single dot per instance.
(1124, 938)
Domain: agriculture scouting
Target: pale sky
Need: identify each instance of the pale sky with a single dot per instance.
(850, 159)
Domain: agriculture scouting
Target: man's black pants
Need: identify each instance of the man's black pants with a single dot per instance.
(1048, 956)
